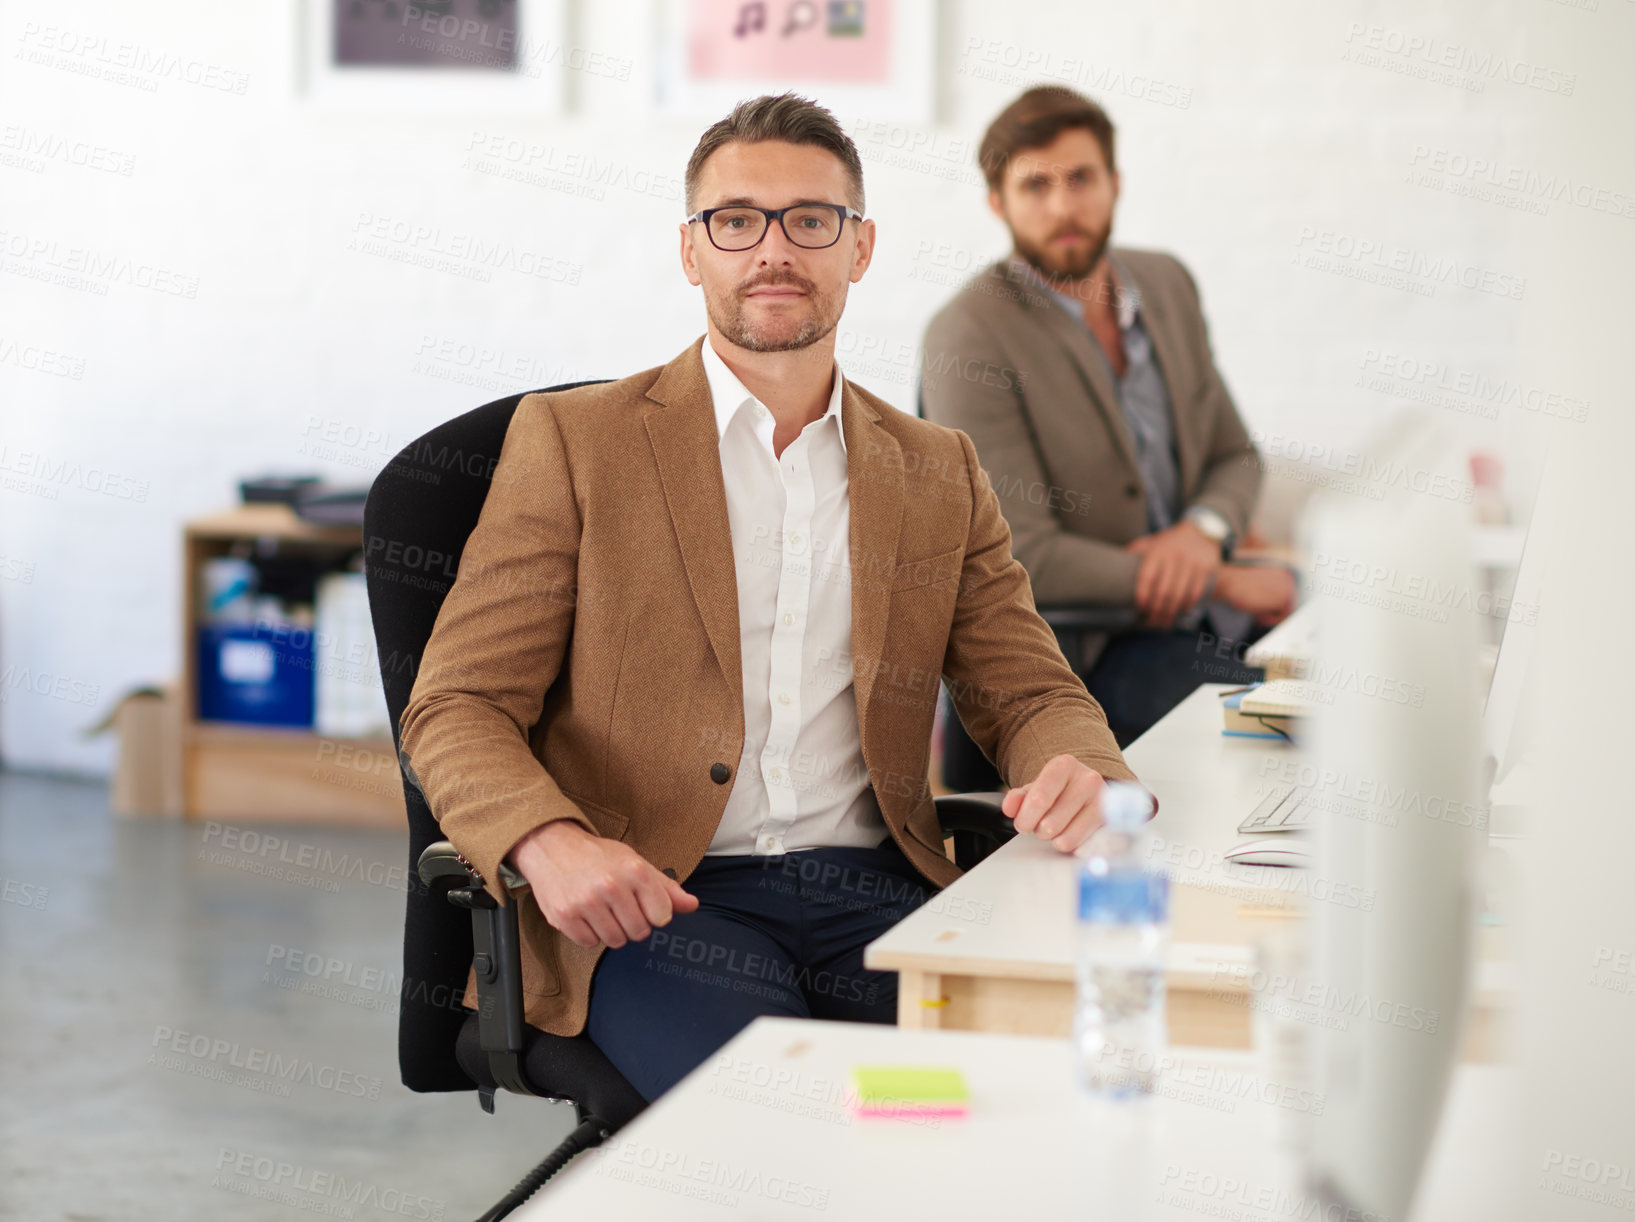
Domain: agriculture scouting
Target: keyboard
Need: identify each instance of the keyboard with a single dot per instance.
(1284, 809)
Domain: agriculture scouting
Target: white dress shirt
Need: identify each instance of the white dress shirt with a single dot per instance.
(801, 782)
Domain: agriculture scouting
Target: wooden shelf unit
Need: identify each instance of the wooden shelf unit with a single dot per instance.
(232, 770)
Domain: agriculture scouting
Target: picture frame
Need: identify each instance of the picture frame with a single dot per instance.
(705, 48)
(513, 54)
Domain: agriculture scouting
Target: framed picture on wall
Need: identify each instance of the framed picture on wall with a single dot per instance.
(435, 56)
(871, 58)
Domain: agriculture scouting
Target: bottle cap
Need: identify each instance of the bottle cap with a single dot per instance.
(1125, 805)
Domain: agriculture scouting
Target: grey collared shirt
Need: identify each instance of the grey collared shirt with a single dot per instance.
(1143, 396)
(1143, 400)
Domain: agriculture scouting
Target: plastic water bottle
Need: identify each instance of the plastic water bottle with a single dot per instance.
(1119, 1033)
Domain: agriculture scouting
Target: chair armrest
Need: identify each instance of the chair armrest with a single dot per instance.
(497, 945)
(975, 822)
(1090, 617)
(442, 868)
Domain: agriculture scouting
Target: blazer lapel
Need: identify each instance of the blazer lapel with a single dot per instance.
(688, 452)
(1087, 357)
(874, 474)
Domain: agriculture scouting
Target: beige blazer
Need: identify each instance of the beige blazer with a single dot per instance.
(585, 664)
(1030, 386)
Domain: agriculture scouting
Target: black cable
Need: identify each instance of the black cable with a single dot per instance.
(1275, 729)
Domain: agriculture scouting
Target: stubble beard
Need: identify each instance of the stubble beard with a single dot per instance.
(731, 318)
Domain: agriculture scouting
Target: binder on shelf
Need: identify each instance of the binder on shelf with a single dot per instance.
(258, 674)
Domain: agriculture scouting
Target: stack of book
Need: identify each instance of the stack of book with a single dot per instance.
(1273, 709)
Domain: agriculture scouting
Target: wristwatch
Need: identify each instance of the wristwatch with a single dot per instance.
(1214, 527)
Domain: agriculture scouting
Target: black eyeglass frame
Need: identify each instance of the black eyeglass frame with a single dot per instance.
(846, 211)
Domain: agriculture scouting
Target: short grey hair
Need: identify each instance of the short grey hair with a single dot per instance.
(786, 117)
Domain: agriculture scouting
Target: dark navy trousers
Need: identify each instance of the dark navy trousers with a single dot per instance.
(780, 935)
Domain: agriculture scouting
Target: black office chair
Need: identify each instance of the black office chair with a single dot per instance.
(964, 767)
(420, 511)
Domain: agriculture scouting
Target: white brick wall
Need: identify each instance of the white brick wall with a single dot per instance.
(1248, 139)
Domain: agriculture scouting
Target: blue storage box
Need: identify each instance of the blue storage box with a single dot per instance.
(259, 673)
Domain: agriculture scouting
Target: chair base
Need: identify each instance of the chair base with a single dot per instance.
(589, 1134)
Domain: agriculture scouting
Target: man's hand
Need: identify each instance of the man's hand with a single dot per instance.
(595, 890)
(1176, 565)
(1265, 590)
(1062, 804)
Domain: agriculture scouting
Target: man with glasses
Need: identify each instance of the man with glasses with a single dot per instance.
(686, 679)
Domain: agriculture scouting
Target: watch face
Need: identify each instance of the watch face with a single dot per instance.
(1212, 524)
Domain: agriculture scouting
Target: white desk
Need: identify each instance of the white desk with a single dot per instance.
(762, 1131)
(994, 951)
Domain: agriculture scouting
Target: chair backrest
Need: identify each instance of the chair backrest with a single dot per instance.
(421, 509)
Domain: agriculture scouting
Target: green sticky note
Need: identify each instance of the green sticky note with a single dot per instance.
(890, 1090)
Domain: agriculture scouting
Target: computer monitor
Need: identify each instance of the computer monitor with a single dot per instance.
(1393, 875)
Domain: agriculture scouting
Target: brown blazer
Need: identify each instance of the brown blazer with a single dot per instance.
(585, 664)
(1030, 386)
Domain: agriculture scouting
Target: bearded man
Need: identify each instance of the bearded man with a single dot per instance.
(1083, 374)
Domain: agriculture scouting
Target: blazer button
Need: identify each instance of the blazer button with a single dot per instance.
(718, 773)
(1132, 490)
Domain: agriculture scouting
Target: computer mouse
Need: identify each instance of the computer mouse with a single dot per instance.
(1271, 851)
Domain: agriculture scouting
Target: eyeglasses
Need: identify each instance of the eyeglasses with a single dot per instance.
(742, 226)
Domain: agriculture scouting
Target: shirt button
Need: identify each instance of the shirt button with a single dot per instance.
(1131, 490)
(795, 539)
(788, 618)
(776, 774)
(783, 697)
(719, 773)
(768, 844)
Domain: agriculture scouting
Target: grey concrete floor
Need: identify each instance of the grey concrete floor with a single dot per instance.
(158, 983)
